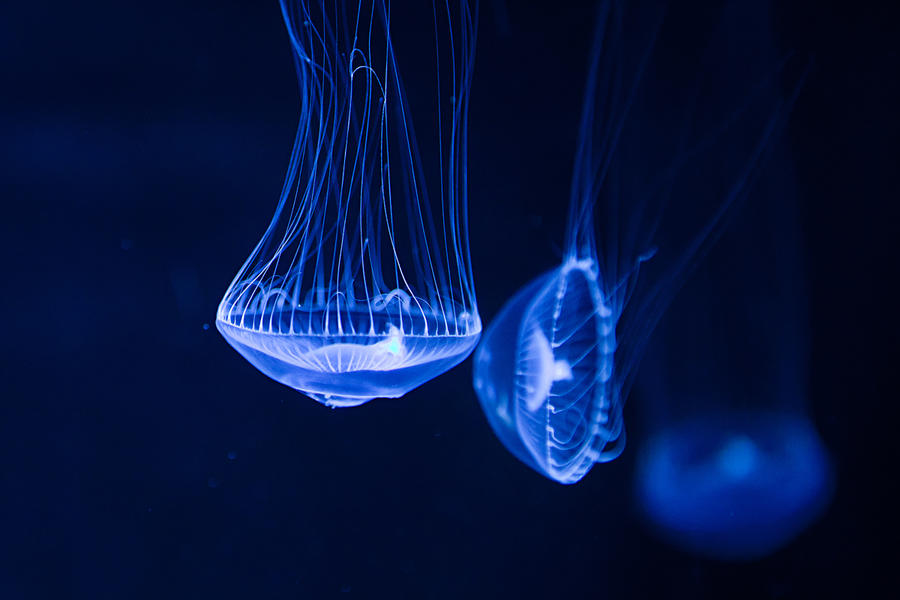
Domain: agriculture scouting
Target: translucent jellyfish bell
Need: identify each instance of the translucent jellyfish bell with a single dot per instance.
(735, 485)
(556, 363)
(733, 467)
(361, 286)
(543, 372)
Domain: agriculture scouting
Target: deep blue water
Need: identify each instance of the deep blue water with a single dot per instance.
(142, 150)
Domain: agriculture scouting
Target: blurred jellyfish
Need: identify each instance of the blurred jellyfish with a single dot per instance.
(361, 286)
(733, 467)
(556, 363)
(734, 485)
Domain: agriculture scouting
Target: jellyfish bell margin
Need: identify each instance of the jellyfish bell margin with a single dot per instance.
(351, 368)
(362, 285)
(734, 486)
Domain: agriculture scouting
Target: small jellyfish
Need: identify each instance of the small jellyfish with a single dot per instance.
(543, 373)
(556, 363)
(361, 287)
(733, 467)
(734, 485)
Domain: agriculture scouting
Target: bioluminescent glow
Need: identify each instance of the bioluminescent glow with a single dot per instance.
(555, 365)
(361, 287)
(735, 485)
(732, 466)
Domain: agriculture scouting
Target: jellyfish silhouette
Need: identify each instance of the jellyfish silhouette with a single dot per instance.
(734, 485)
(361, 287)
(556, 363)
(733, 467)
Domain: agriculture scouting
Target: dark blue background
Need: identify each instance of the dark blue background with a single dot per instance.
(142, 149)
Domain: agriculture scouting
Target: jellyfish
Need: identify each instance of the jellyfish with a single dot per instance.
(664, 154)
(731, 465)
(361, 286)
(734, 485)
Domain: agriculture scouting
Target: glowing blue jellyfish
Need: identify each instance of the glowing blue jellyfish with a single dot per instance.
(361, 286)
(735, 485)
(544, 373)
(556, 363)
(733, 467)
